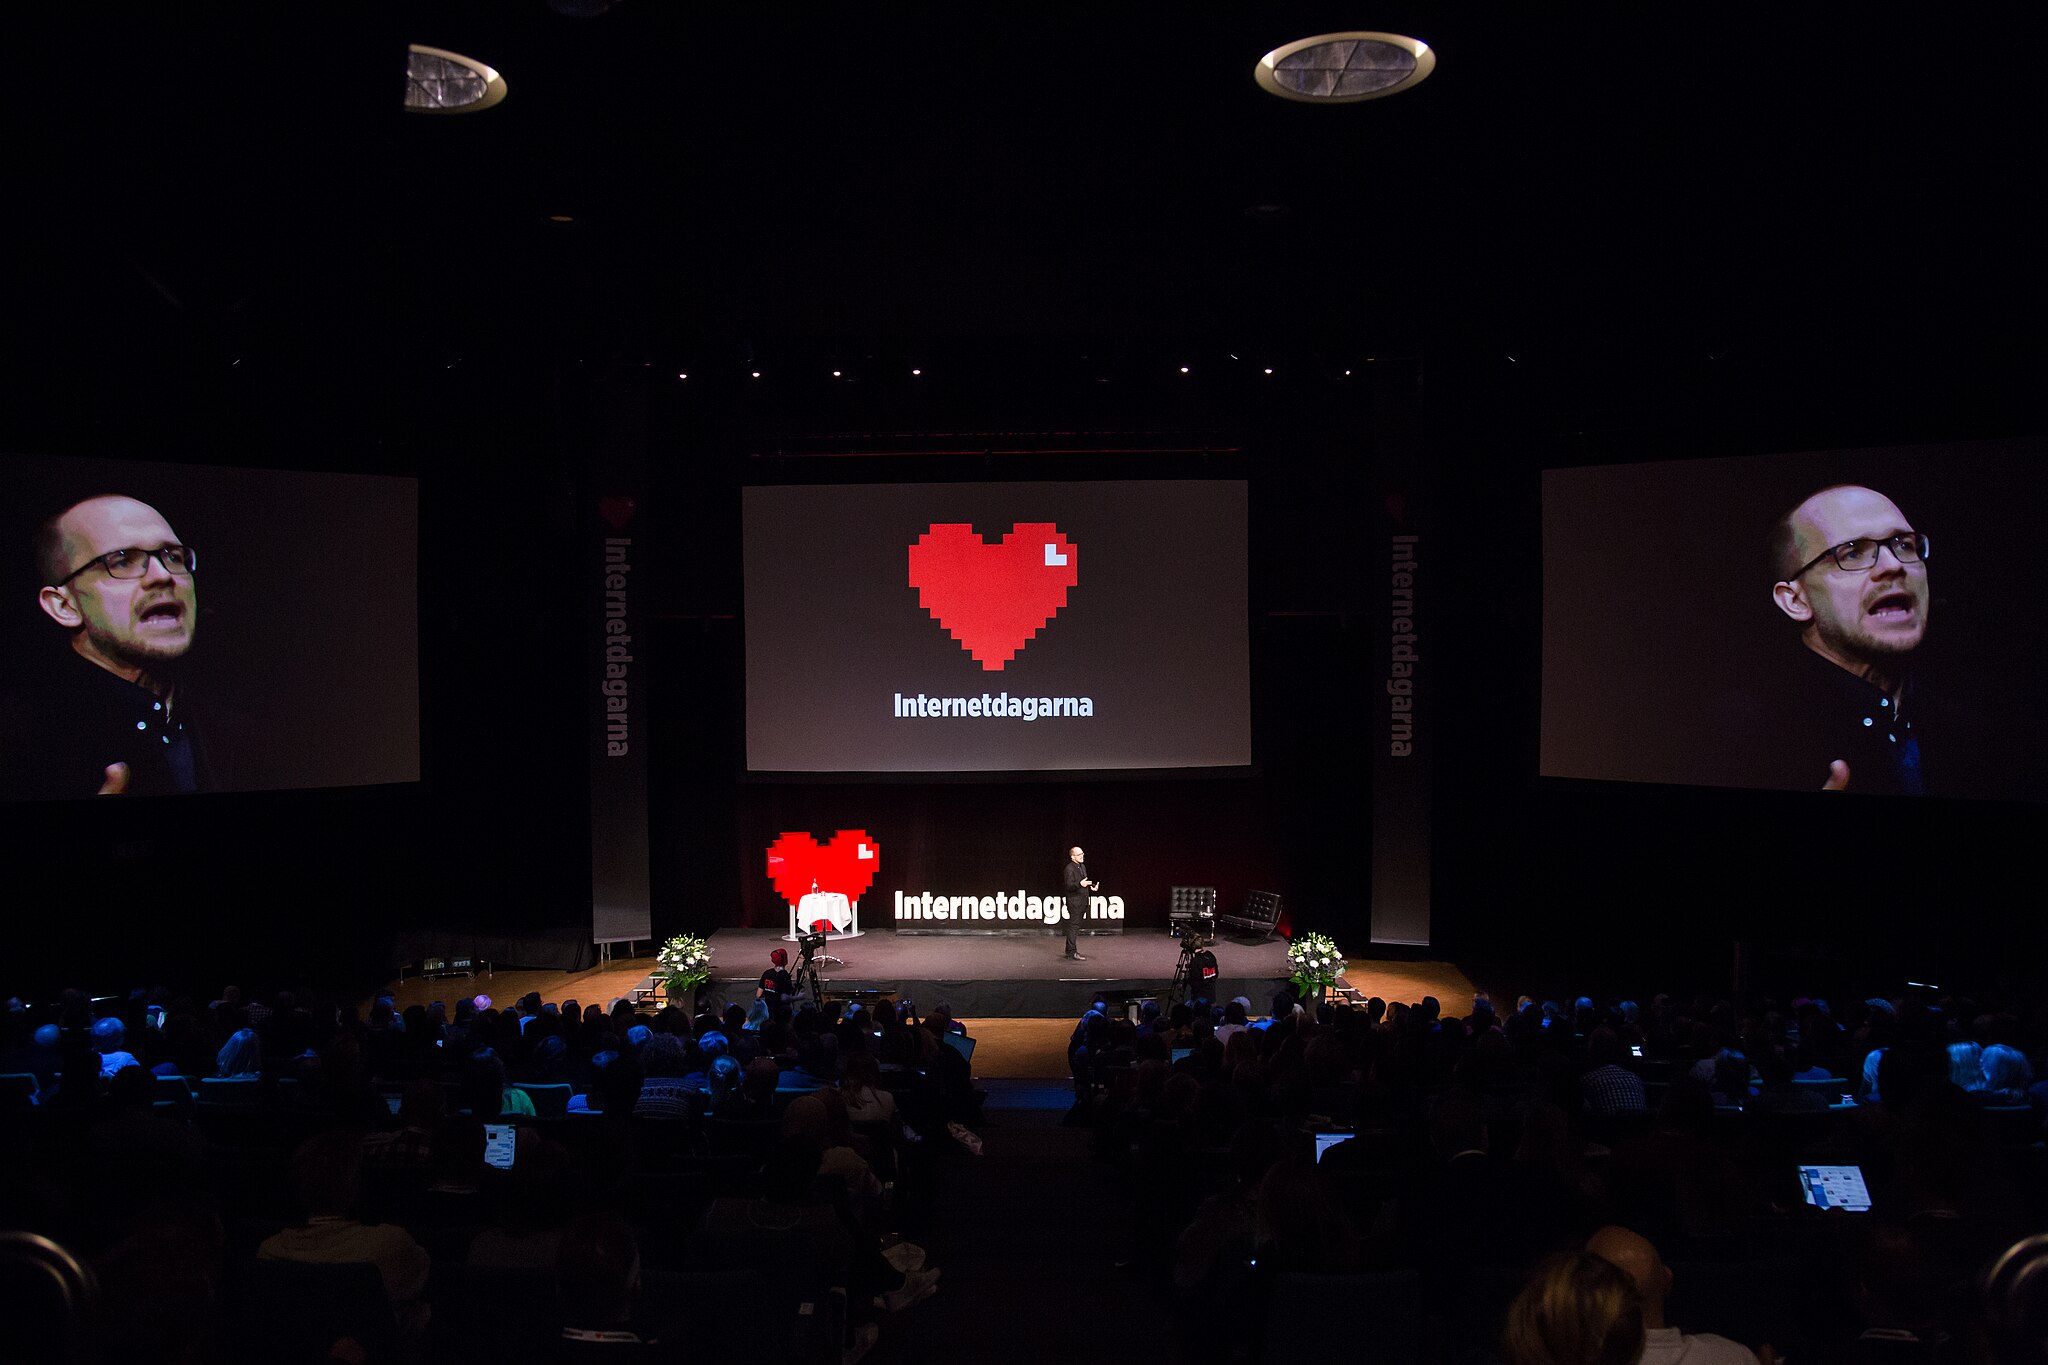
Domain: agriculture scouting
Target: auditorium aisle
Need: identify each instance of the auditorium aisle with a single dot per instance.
(1028, 1235)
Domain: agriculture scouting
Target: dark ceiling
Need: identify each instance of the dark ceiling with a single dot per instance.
(236, 181)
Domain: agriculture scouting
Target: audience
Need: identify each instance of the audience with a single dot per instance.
(1484, 1145)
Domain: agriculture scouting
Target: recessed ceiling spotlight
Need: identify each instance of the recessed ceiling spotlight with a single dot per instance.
(1344, 68)
(755, 373)
(441, 82)
(1183, 369)
(917, 371)
(836, 374)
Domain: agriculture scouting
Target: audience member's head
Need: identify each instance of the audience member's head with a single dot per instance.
(326, 1171)
(1966, 1065)
(108, 1034)
(2006, 1071)
(1576, 1309)
(1457, 1124)
(240, 1055)
(664, 1056)
(1636, 1258)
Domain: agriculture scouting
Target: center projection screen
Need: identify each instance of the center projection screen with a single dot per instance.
(996, 627)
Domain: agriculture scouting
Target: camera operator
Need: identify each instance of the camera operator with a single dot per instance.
(776, 987)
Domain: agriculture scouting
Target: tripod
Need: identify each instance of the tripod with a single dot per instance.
(808, 958)
(1194, 968)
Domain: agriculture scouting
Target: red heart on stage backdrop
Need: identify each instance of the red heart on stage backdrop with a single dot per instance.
(846, 865)
(993, 598)
(615, 510)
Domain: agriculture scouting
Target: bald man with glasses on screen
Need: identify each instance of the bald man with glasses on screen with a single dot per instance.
(1853, 576)
(123, 589)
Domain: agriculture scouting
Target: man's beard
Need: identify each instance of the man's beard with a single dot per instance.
(158, 662)
(1871, 647)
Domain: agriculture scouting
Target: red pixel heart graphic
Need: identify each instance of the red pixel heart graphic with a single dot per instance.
(846, 865)
(615, 510)
(993, 598)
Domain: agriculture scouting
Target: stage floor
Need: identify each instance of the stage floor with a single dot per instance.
(986, 975)
(1011, 1044)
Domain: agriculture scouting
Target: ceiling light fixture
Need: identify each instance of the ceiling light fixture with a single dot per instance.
(1344, 68)
(438, 81)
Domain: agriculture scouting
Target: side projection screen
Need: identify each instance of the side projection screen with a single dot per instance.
(984, 627)
(1858, 621)
(173, 629)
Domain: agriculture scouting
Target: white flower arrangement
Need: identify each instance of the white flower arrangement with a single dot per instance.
(682, 965)
(1315, 962)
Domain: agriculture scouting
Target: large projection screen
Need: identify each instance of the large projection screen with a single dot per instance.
(288, 657)
(985, 627)
(1689, 636)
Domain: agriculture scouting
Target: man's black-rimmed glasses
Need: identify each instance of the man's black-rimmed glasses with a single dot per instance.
(134, 562)
(1858, 556)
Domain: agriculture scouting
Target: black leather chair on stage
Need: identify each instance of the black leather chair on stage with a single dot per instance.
(1258, 919)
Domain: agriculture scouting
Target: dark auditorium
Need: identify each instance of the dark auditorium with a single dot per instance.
(1220, 684)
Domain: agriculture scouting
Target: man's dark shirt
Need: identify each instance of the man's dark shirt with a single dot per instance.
(73, 718)
(1792, 720)
(1072, 875)
(775, 984)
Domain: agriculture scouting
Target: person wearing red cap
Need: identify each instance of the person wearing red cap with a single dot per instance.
(776, 987)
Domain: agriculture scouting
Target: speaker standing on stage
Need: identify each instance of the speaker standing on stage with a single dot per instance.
(1074, 877)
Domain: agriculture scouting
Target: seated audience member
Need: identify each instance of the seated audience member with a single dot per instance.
(38, 1055)
(1663, 1344)
(157, 1289)
(1298, 1224)
(591, 1100)
(1732, 1078)
(109, 1040)
(1867, 1089)
(408, 1149)
(1966, 1066)
(1779, 1094)
(757, 1091)
(866, 1101)
(597, 1278)
(1608, 1087)
(722, 1086)
(137, 1154)
(1235, 1019)
(1576, 1309)
(486, 1093)
(666, 1092)
(1556, 1187)
(1225, 1226)
(326, 1170)
(550, 1062)
(240, 1057)
(527, 1230)
(820, 1118)
(1899, 1298)
(2007, 1077)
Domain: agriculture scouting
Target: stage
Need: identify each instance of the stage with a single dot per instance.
(1015, 1046)
(988, 975)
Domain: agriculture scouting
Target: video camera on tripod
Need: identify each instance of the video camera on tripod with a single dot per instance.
(1194, 975)
(809, 942)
